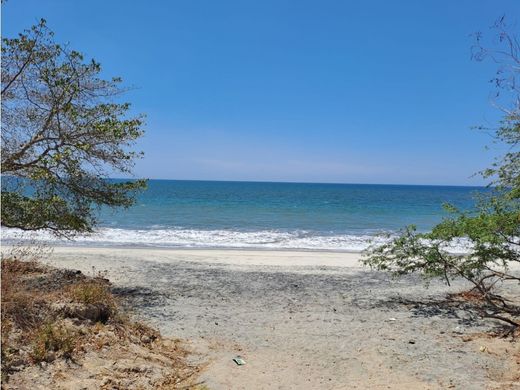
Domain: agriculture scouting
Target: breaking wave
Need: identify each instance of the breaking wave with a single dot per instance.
(191, 238)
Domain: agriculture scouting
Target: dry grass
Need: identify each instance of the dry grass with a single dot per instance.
(33, 331)
(51, 339)
(18, 267)
(30, 331)
(91, 292)
(472, 296)
(19, 306)
(96, 292)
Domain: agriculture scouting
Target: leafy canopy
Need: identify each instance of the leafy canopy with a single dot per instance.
(63, 133)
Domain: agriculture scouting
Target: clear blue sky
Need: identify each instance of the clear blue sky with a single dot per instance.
(319, 91)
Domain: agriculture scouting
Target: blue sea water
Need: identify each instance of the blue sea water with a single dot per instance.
(173, 213)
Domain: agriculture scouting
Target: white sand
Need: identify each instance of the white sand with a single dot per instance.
(223, 256)
(301, 320)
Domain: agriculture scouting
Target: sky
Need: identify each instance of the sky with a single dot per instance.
(371, 91)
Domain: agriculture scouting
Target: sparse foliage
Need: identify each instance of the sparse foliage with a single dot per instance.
(492, 229)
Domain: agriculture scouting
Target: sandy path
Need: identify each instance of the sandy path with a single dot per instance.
(301, 320)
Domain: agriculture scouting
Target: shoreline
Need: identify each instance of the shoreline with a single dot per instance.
(8, 244)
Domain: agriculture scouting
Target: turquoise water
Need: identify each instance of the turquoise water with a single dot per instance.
(273, 215)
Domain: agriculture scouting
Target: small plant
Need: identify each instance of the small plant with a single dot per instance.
(95, 293)
(52, 338)
(92, 292)
(144, 332)
(6, 327)
(19, 307)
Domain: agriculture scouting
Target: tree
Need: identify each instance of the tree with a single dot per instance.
(492, 228)
(63, 133)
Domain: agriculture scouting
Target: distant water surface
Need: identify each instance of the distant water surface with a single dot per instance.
(212, 214)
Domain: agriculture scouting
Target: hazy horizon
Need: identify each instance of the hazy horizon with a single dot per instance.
(306, 182)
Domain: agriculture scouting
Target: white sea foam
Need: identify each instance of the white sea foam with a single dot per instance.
(191, 238)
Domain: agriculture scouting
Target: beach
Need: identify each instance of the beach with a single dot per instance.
(303, 319)
(255, 200)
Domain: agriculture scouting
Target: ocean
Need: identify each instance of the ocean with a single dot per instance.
(262, 215)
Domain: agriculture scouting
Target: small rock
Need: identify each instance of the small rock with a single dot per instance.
(51, 356)
(458, 329)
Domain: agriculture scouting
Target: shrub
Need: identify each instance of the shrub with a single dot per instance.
(91, 292)
(52, 338)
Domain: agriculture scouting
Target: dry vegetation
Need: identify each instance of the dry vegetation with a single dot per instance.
(62, 329)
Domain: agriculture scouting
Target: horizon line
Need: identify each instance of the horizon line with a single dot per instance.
(307, 182)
